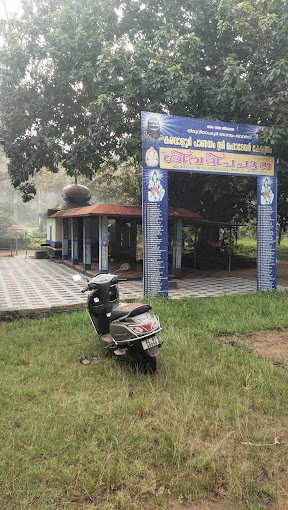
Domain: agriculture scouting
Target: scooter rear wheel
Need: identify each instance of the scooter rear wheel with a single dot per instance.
(141, 360)
(149, 364)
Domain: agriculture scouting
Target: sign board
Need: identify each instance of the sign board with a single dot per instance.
(155, 232)
(181, 144)
(266, 233)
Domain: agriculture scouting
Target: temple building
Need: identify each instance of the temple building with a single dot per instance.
(86, 234)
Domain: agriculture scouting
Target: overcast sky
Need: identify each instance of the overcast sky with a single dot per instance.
(11, 6)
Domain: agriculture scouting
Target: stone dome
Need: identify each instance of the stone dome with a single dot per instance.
(76, 194)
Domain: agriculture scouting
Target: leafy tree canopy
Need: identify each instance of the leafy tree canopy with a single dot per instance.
(76, 75)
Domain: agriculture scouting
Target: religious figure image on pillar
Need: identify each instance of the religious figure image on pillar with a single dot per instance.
(152, 158)
(153, 129)
(267, 195)
(156, 191)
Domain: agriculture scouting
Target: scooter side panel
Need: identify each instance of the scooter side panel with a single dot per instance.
(100, 322)
(120, 333)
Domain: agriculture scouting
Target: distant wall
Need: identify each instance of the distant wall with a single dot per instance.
(54, 230)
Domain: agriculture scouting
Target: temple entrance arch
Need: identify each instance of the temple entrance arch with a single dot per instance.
(181, 144)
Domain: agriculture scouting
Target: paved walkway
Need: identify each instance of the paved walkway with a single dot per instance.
(30, 285)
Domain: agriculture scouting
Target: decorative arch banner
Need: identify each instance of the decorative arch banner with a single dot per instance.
(183, 144)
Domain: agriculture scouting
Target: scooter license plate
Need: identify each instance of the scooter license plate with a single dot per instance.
(149, 342)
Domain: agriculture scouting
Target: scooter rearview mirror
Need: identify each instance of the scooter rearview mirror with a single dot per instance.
(77, 277)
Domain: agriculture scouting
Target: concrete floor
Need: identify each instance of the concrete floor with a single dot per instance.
(29, 285)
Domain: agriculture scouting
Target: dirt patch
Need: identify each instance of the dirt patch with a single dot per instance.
(280, 504)
(271, 344)
(209, 505)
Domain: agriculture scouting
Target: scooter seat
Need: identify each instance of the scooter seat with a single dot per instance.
(129, 308)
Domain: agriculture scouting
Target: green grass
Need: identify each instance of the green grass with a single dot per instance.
(71, 436)
(249, 246)
(282, 250)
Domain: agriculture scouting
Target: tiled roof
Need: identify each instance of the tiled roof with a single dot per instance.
(120, 211)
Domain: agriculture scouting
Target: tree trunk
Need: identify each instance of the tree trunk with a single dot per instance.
(207, 233)
(280, 234)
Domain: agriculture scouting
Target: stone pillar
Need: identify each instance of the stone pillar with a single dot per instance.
(177, 247)
(65, 238)
(118, 228)
(103, 244)
(86, 244)
(74, 241)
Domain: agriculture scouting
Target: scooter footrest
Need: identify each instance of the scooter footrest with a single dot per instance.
(112, 346)
(120, 352)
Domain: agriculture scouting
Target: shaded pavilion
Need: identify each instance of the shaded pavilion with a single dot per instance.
(83, 235)
(97, 238)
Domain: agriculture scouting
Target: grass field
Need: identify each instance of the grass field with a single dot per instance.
(102, 436)
(249, 246)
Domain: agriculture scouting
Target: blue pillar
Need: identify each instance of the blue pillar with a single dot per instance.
(155, 232)
(103, 244)
(177, 248)
(74, 241)
(87, 243)
(65, 238)
(267, 232)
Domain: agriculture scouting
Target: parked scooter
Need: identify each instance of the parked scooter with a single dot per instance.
(128, 330)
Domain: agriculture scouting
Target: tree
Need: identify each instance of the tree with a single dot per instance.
(254, 83)
(76, 75)
(6, 219)
(54, 105)
(116, 185)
